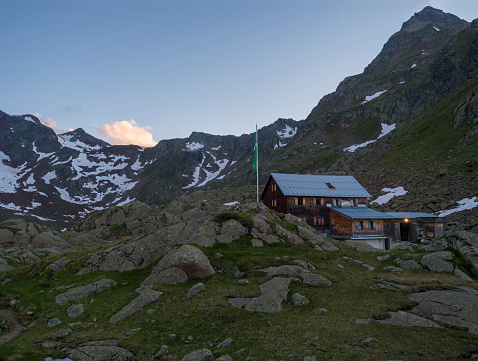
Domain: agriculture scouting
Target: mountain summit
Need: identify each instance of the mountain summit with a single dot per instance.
(434, 17)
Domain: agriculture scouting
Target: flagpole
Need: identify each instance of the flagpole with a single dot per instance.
(257, 163)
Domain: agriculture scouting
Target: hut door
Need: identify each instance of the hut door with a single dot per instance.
(404, 231)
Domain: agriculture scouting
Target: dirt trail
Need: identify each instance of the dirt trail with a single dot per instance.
(15, 325)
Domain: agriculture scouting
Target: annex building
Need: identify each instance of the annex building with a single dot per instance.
(338, 205)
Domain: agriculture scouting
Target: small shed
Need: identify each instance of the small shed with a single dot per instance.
(359, 223)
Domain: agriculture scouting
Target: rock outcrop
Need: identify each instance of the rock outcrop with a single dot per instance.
(178, 266)
(85, 291)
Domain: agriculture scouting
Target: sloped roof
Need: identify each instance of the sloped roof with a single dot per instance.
(361, 213)
(403, 215)
(368, 213)
(307, 185)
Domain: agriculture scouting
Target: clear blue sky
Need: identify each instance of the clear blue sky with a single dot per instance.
(177, 66)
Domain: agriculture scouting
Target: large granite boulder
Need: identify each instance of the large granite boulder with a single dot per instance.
(189, 259)
(464, 242)
(436, 262)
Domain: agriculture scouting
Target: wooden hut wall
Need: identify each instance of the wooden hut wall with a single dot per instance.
(377, 227)
(340, 225)
(309, 210)
(270, 195)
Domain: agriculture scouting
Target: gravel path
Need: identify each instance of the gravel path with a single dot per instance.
(15, 325)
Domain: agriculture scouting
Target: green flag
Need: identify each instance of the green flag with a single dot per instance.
(254, 166)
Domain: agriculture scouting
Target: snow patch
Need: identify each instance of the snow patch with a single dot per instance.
(11, 206)
(413, 66)
(279, 145)
(391, 192)
(436, 28)
(49, 176)
(372, 97)
(385, 130)
(464, 204)
(287, 132)
(231, 203)
(194, 146)
(9, 176)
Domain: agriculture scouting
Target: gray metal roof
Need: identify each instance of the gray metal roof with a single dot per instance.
(368, 213)
(403, 215)
(307, 185)
(361, 213)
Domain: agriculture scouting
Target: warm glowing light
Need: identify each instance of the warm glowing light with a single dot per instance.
(406, 219)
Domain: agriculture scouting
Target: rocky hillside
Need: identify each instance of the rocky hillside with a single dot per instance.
(264, 285)
(409, 120)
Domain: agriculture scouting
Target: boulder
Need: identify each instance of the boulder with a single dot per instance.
(273, 292)
(455, 307)
(224, 358)
(199, 355)
(231, 230)
(226, 342)
(85, 291)
(436, 262)
(406, 319)
(459, 273)
(189, 259)
(145, 298)
(4, 265)
(194, 290)
(53, 322)
(172, 276)
(361, 246)
(75, 310)
(299, 300)
(409, 264)
(106, 350)
(315, 280)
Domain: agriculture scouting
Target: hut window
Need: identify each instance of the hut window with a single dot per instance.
(370, 224)
(317, 201)
(299, 201)
(359, 225)
(274, 203)
(274, 187)
(319, 221)
(335, 202)
(352, 203)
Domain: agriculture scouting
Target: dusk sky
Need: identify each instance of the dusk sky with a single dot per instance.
(160, 69)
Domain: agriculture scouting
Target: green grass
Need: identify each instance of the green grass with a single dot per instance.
(433, 141)
(209, 318)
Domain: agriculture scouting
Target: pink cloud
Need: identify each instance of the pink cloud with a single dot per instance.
(127, 132)
(51, 124)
